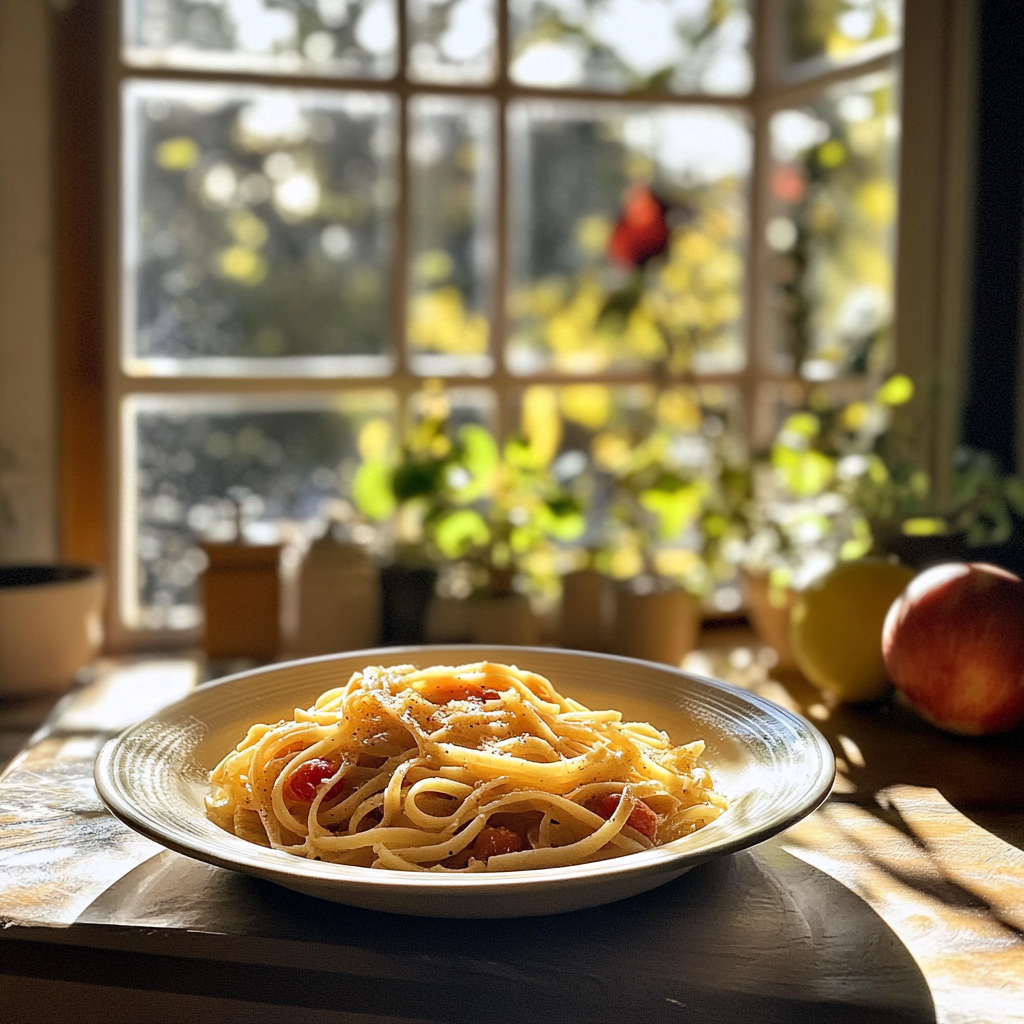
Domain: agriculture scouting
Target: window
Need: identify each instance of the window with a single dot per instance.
(326, 205)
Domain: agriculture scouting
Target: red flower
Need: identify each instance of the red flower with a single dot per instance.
(788, 183)
(642, 230)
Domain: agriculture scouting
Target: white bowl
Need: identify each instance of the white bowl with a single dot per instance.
(51, 625)
(772, 765)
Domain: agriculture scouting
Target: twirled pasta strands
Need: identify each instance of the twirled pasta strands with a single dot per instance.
(480, 767)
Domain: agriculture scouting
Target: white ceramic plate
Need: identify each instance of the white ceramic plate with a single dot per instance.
(773, 766)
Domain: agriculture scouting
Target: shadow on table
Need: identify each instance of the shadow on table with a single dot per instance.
(756, 936)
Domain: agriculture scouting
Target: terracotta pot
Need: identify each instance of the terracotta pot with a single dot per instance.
(769, 613)
(50, 625)
(588, 611)
(659, 626)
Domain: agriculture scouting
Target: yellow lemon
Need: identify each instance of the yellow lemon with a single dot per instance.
(836, 627)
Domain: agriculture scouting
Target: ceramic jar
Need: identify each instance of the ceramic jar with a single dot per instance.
(662, 625)
(51, 625)
(339, 599)
(769, 611)
(241, 590)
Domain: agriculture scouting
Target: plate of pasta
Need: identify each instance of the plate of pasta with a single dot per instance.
(465, 781)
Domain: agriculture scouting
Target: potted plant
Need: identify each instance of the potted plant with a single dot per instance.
(486, 514)
(505, 532)
(655, 547)
(836, 485)
(410, 490)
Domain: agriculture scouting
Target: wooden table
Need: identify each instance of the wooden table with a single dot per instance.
(902, 899)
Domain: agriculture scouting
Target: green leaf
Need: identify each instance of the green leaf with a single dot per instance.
(923, 526)
(519, 454)
(804, 424)
(418, 479)
(372, 490)
(562, 518)
(479, 450)
(1014, 489)
(675, 510)
(457, 533)
(806, 474)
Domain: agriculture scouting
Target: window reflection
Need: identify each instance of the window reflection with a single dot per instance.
(682, 46)
(832, 231)
(573, 166)
(258, 228)
(201, 463)
(347, 38)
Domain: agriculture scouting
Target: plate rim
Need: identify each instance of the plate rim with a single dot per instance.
(657, 860)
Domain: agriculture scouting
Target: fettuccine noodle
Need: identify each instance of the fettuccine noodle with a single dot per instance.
(482, 767)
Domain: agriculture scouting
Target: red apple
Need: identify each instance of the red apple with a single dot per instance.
(953, 642)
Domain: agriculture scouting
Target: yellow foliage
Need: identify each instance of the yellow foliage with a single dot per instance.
(693, 247)
(876, 200)
(439, 322)
(725, 308)
(626, 562)
(831, 154)
(721, 224)
(688, 311)
(855, 415)
(723, 270)
(179, 154)
(374, 439)
(432, 267)
(610, 451)
(675, 277)
(675, 562)
(838, 45)
(871, 263)
(678, 409)
(542, 425)
(589, 405)
(592, 234)
(247, 228)
(642, 336)
(571, 329)
(897, 390)
(539, 300)
(243, 265)
(924, 527)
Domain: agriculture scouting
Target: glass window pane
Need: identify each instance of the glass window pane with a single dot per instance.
(613, 447)
(831, 233)
(258, 230)
(824, 33)
(451, 237)
(190, 461)
(681, 46)
(574, 307)
(452, 41)
(348, 38)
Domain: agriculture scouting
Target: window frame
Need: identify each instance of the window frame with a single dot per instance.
(91, 527)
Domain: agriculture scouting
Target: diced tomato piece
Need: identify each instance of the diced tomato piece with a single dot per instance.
(447, 692)
(493, 841)
(642, 818)
(304, 783)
